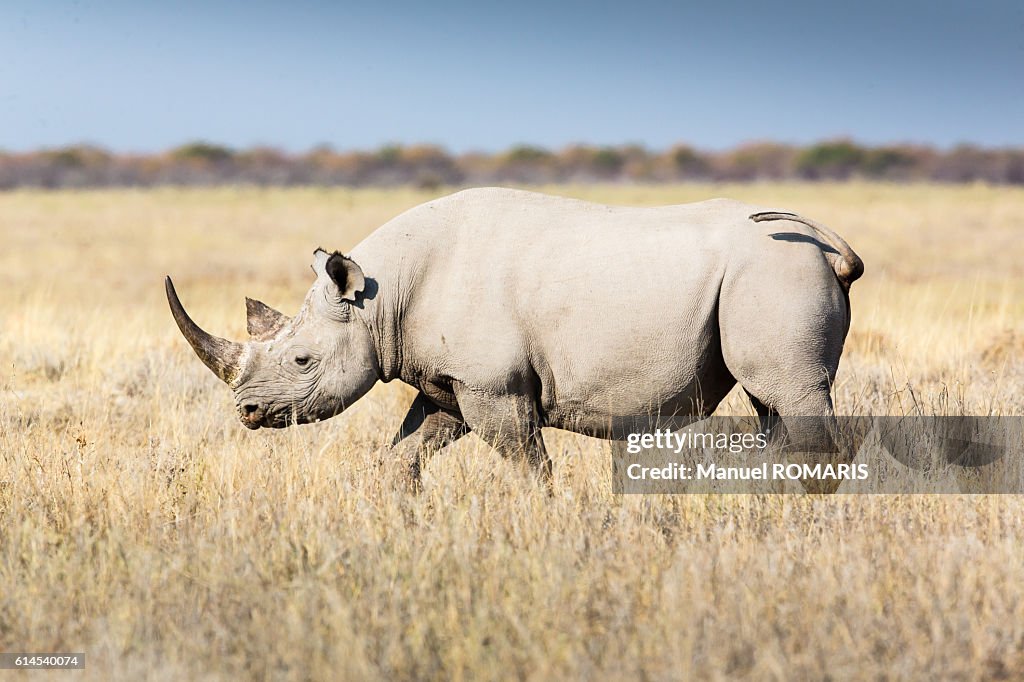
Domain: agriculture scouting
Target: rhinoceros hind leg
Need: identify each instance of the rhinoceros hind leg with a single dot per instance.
(809, 434)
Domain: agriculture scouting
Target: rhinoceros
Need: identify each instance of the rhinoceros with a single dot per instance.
(510, 311)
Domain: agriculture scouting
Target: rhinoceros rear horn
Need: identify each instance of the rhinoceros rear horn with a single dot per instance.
(262, 321)
(220, 355)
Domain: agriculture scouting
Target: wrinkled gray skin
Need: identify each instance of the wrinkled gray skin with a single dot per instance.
(510, 311)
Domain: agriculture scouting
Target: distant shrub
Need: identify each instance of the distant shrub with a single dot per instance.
(585, 163)
(607, 162)
(756, 161)
(389, 155)
(889, 162)
(687, 163)
(202, 151)
(431, 167)
(830, 160)
(66, 158)
(522, 163)
(428, 181)
(527, 154)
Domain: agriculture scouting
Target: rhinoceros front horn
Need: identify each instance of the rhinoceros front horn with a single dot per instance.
(220, 355)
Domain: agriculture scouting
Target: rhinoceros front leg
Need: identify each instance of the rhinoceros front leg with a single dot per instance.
(426, 429)
(509, 423)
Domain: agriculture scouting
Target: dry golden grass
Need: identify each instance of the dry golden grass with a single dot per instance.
(140, 523)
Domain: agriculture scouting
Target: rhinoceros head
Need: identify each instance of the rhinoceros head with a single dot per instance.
(300, 369)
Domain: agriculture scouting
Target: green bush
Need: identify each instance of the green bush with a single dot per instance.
(202, 151)
(832, 160)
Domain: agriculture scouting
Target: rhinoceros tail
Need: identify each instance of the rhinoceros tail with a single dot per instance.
(847, 264)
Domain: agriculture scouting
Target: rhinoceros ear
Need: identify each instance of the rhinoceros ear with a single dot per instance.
(343, 273)
(262, 321)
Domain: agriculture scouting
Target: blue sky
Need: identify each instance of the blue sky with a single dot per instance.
(141, 76)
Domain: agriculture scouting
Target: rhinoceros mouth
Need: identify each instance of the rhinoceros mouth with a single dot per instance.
(276, 421)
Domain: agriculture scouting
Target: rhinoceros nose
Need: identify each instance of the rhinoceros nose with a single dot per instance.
(251, 414)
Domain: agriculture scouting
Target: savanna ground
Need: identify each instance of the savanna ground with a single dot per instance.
(142, 524)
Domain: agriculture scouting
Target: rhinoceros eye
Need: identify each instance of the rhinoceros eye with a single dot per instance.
(302, 360)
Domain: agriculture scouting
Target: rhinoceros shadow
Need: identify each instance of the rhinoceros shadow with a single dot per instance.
(369, 292)
(965, 441)
(802, 238)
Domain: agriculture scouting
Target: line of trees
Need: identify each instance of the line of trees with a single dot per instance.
(202, 163)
